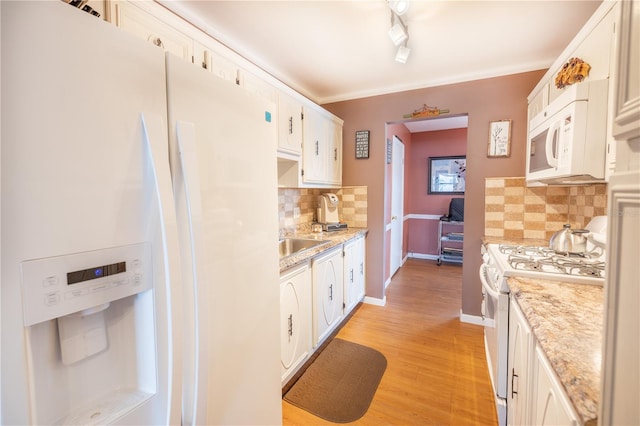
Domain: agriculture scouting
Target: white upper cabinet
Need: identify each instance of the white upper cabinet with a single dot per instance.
(309, 148)
(315, 147)
(596, 44)
(321, 149)
(627, 99)
(334, 165)
(258, 86)
(289, 124)
(141, 23)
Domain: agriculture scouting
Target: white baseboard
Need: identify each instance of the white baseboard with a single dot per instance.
(375, 301)
(472, 319)
(423, 256)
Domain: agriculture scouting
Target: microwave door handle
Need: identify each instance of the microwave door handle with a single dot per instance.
(552, 135)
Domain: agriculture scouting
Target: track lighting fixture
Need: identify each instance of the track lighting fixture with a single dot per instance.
(399, 7)
(399, 33)
(403, 54)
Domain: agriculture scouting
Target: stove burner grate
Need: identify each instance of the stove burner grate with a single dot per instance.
(543, 259)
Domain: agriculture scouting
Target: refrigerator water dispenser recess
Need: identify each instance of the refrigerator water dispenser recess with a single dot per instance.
(90, 337)
(82, 334)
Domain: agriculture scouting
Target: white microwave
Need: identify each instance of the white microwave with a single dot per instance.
(567, 140)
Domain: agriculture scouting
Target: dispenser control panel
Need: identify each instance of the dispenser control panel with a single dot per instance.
(57, 286)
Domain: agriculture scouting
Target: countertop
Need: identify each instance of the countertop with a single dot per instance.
(567, 321)
(332, 238)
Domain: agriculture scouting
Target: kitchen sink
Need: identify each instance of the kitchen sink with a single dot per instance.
(290, 246)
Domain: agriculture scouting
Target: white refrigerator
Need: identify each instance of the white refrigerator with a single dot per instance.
(126, 297)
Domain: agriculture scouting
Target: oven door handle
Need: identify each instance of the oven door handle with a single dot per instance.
(485, 285)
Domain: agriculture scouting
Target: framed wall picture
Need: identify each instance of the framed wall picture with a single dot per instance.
(447, 175)
(362, 144)
(499, 138)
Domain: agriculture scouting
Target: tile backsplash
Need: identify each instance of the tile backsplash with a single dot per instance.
(352, 207)
(513, 210)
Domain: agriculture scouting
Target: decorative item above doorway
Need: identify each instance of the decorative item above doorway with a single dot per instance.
(499, 138)
(447, 175)
(426, 111)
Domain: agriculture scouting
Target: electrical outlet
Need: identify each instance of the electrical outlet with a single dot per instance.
(296, 212)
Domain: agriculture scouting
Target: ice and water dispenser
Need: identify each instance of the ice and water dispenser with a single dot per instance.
(89, 321)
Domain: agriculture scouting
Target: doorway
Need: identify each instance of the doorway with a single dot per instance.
(397, 204)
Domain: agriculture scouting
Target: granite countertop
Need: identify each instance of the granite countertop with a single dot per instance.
(332, 238)
(567, 321)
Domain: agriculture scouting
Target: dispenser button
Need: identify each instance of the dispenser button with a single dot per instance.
(51, 299)
(118, 283)
(99, 287)
(75, 293)
(50, 281)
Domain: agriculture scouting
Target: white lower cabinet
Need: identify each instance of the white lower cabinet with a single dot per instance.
(295, 320)
(353, 273)
(315, 299)
(518, 384)
(535, 395)
(551, 406)
(327, 293)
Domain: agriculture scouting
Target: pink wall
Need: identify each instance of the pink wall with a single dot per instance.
(422, 233)
(483, 100)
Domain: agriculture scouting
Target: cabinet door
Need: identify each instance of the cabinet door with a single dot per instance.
(551, 406)
(360, 268)
(314, 147)
(539, 102)
(595, 50)
(142, 24)
(350, 276)
(225, 68)
(328, 299)
(258, 86)
(289, 125)
(334, 156)
(295, 320)
(520, 348)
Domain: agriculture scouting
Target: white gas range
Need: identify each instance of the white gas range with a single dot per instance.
(501, 261)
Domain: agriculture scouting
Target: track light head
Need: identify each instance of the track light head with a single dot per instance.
(398, 34)
(399, 7)
(403, 54)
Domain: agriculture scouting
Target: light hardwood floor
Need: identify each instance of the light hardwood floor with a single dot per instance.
(436, 368)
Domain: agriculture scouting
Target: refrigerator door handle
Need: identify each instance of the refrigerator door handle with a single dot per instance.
(155, 140)
(194, 258)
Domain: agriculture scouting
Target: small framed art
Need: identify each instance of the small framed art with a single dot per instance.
(499, 138)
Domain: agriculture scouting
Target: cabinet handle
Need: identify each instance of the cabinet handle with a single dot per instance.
(513, 386)
(291, 125)
(317, 147)
(290, 328)
(335, 154)
(351, 275)
(158, 42)
(361, 268)
(331, 292)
